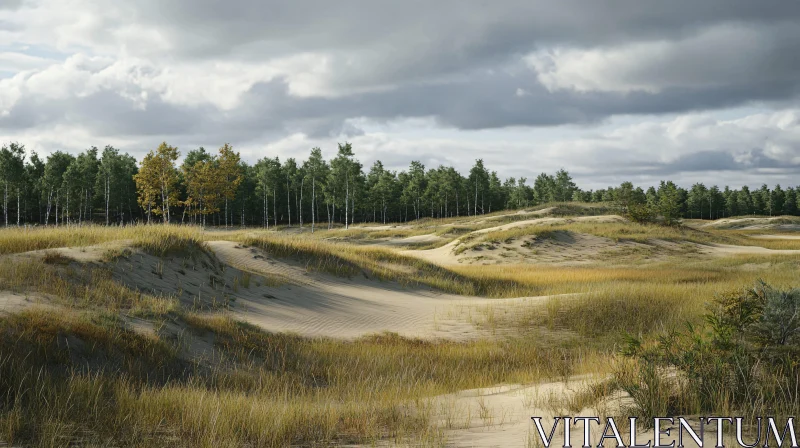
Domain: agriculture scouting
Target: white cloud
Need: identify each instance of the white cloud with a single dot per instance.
(92, 72)
(723, 54)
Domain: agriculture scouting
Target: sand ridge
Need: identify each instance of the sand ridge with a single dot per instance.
(445, 255)
(323, 305)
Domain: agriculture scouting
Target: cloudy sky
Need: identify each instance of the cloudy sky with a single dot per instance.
(610, 90)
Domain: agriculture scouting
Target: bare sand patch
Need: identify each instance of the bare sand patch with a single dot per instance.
(727, 249)
(12, 302)
(323, 305)
(83, 254)
(500, 416)
(382, 227)
(416, 240)
(756, 223)
(542, 212)
(776, 237)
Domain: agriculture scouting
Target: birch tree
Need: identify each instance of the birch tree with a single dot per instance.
(315, 169)
(12, 170)
(156, 181)
(230, 173)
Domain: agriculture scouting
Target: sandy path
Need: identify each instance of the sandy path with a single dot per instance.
(500, 416)
(322, 305)
(726, 249)
(776, 237)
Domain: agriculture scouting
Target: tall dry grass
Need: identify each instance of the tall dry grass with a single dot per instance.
(381, 263)
(81, 287)
(83, 378)
(157, 238)
(86, 377)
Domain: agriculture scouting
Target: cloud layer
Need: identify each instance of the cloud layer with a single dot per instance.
(650, 89)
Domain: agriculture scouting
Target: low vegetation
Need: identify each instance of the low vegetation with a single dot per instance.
(84, 378)
(156, 239)
(742, 359)
(90, 361)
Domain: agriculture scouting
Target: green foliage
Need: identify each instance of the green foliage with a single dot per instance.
(96, 186)
(746, 357)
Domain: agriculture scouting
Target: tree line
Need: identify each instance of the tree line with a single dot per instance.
(219, 188)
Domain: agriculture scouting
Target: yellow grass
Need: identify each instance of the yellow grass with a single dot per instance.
(271, 390)
(79, 374)
(157, 238)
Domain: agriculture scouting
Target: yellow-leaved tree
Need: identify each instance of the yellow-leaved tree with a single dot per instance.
(157, 180)
(203, 186)
(230, 174)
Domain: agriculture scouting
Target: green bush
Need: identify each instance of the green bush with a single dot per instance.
(747, 358)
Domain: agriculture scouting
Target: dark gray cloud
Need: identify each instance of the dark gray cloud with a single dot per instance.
(256, 72)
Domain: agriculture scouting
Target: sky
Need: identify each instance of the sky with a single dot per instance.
(609, 90)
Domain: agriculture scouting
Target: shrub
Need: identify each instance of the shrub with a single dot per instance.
(640, 213)
(747, 357)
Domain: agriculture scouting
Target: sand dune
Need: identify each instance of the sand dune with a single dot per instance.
(445, 255)
(754, 223)
(322, 305)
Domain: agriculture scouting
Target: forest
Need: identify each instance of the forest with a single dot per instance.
(220, 189)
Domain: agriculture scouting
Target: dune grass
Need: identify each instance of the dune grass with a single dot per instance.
(606, 303)
(83, 378)
(76, 372)
(89, 287)
(619, 231)
(382, 263)
(157, 239)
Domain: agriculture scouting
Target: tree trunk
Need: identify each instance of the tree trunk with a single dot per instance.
(313, 202)
(346, 200)
(108, 199)
(288, 202)
(300, 207)
(49, 205)
(476, 198)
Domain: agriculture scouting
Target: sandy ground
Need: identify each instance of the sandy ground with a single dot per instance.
(383, 227)
(283, 297)
(445, 255)
(322, 305)
(83, 254)
(774, 222)
(569, 249)
(576, 248)
(500, 416)
(416, 240)
(776, 237)
(541, 212)
(11, 302)
(726, 249)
